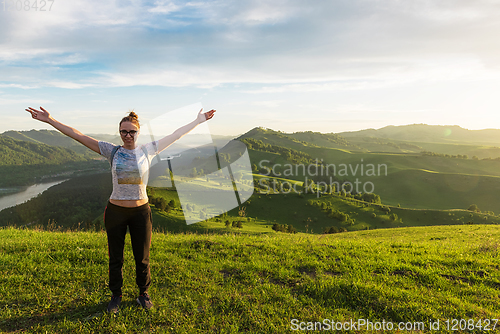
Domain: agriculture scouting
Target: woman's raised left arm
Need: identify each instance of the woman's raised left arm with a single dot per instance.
(177, 134)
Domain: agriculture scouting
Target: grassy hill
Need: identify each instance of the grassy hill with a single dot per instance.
(413, 179)
(57, 282)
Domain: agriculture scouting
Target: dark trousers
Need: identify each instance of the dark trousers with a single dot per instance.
(139, 222)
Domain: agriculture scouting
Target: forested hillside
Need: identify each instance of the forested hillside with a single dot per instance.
(20, 152)
(26, 162)
(79, 200)
(49, 137)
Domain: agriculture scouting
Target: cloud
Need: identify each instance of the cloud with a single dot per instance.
(298, 45)
(27, 101)
(164, 7)
(17, 86)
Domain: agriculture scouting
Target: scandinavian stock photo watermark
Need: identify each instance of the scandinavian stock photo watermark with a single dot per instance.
(411, 326)
(327, 177)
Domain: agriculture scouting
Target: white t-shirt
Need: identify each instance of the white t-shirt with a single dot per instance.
(129, 169)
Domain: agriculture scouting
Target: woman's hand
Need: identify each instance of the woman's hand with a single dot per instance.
(183, 130)
(44, 116)
(202, 117)
(41, 115)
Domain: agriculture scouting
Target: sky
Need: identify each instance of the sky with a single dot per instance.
(327, 66)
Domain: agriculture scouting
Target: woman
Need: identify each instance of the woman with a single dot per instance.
(128, 204)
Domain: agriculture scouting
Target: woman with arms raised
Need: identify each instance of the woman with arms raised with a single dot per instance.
(128, 204)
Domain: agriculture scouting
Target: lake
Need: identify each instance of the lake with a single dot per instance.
(13, 199)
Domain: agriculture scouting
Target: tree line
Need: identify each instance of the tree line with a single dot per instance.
(19, 152)
(77, 201)
(294, 156)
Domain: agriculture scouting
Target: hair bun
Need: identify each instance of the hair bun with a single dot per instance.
(132, 117)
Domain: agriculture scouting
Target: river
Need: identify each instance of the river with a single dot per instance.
(10, 200)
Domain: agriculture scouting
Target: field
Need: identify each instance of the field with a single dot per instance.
(56, 282)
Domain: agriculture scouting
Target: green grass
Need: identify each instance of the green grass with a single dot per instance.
(57, 282)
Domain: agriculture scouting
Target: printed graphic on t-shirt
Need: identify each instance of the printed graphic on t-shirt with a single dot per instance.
(127, 171)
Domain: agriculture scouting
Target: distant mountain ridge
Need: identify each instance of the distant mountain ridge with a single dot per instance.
(429, 133)
(47, 137)
(298, 139)
(410, 132)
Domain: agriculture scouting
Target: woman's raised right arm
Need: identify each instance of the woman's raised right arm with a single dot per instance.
(44, 116)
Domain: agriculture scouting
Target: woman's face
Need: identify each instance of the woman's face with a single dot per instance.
(129, 132)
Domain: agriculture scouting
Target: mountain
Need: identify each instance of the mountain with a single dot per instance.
(48, 137)
(450, 175)
(430, 133)
(297, 140)
(25, 162)
(23, 152)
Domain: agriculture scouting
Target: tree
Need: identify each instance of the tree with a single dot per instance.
(473, 208)
(332, 230)
(162, 203)
(241, 211)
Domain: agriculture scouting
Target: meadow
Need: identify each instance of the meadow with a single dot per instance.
(56, 282)
(419, 259)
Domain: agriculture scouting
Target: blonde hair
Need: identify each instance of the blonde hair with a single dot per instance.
(132, 118)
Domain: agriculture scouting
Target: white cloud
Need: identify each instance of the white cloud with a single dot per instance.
(302, 46)
(18, 86)
(164, 7)
(67, 84)
(27, 101)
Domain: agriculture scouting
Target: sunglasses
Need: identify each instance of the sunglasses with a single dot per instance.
(124, 133)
